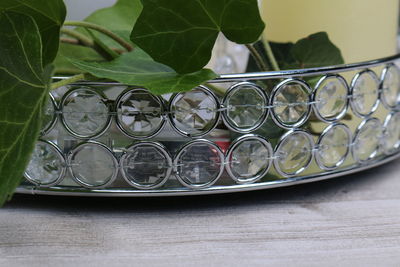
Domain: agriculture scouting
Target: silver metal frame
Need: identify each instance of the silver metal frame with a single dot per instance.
(279, 145)
(375, 153)
(276, 90)
(161, 149)
(77, 149)
(237, 87)
(60, 155)
(318, 159)
(383, 78)
(385, 125)
(353, 83)
(238, 142)
(318, 87)
(119, 123)
(182, 180)
(54, 119)
(67, 127)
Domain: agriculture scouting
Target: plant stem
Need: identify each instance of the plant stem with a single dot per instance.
(271, 57)
(257, 57)
(72, 79)
(82, 39)
(101, 29)
(77, 42)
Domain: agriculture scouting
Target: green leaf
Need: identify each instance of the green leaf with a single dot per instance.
(182, 33)
(139, 69)
(24, 86)
(49, 15)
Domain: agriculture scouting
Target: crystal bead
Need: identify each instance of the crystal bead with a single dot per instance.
(194, 113)
(140, 113)
(49, 115)
(84, 113)
(294, 153)
(249, 159)
(146, 165)
(331, 98)
(199, 164)
(245, 107)
(391, 140)
(391, 87)
(367, 140)
(93, 165)
(291, 104)
(47, 165)
(333, 146)
(365, 92)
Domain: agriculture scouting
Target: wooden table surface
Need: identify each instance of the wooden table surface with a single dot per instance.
(354, 220)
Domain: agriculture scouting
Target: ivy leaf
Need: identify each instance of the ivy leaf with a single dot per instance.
(49, 15)
(139, 69)
(24, 86)
(182, 33)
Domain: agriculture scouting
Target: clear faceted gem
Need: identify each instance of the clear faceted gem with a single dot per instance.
(194, 112)
(146, 166)
(391, 87)
(85, 113)
(367, 140)
(331, 98)
(365, 93)
(245, 107)
(93, 165)
(199, 164)
(49, 115)
(294, 153)
(140, 113)
(46, 166)
(290, 104)
(391, 140)
(249, 159)
(334, 146)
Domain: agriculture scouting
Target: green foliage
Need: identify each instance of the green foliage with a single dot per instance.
(182, 33)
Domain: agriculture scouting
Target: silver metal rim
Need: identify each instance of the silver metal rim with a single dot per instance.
(353, 83)
(228, 122)
(359, 129)
(103, 147)
(278, 147)
(161, 149)
(60, 155)
(318, 87)
(383, 78)
(121, 126)
(185, 133)
(237, 143)
(54, 119)
(182, 180)
(276, 90)
(71, 131)
(318, 158)
(385, 125)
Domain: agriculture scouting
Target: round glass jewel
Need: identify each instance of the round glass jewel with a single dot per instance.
(85, 114)
(391, 136)
(139, 113)
(367, 140)
(146, 165)
(246, 107)
(93, 165)
(333, 146)
(294, 153)
(290, 103)
(365, 93)
(391, 87)
(331, 98)
(49, 117)
(249, 159)
(194, 113)
(47, 165)
(199, 164)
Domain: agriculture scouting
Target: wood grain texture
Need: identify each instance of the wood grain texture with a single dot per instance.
(350, 221)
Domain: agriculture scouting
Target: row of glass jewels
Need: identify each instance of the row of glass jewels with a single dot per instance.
(86, 114)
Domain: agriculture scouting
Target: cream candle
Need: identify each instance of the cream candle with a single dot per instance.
(362, 29)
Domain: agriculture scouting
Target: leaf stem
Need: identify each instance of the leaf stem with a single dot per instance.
(257, 57)
(271, 56)
(82, 39)
(101, 29)
(72, 79)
